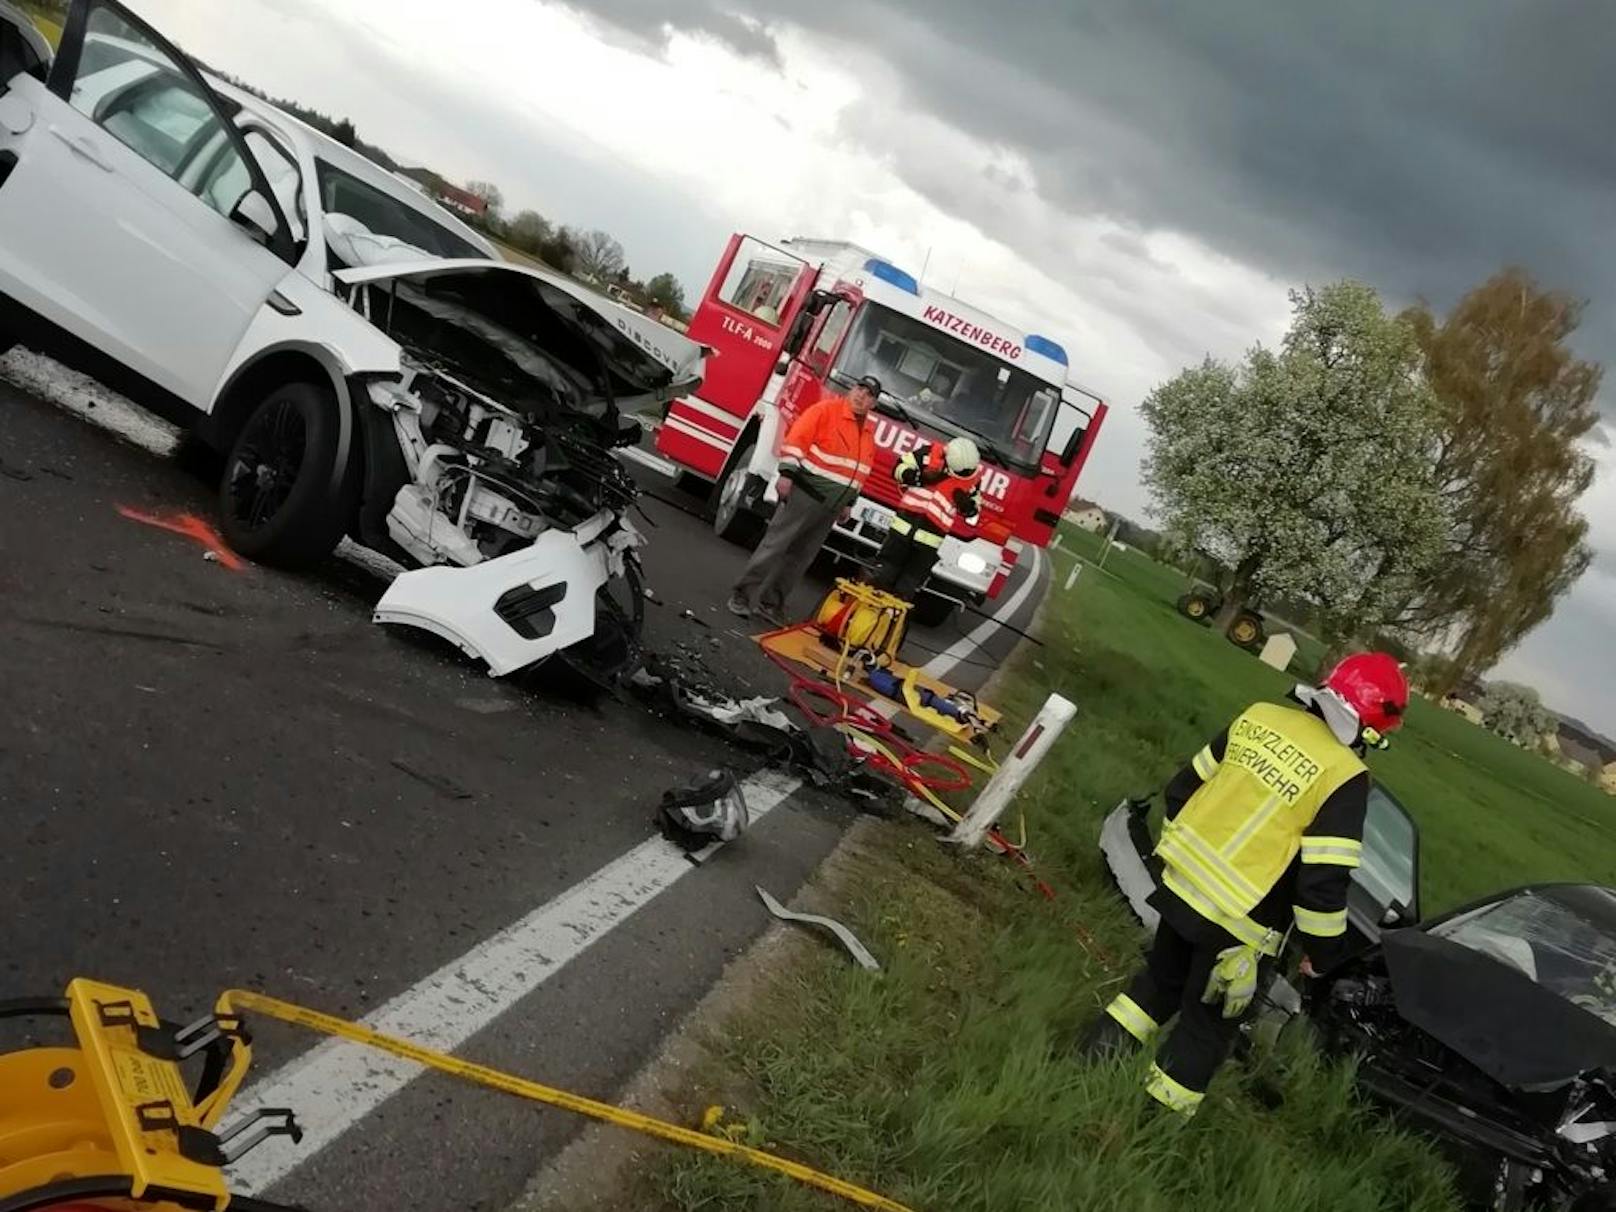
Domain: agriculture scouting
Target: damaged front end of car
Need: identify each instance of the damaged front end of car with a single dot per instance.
(1465, 1037)
(491, 464)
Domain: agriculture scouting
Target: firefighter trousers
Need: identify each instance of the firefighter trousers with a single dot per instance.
(1172, 981)
(796, 532)
(905, 561)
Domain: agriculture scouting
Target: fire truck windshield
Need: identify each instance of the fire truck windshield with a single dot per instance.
(964, 388)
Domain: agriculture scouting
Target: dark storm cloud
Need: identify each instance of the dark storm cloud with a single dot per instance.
(1419, 146)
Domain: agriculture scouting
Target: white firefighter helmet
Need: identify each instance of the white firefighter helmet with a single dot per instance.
(962, 456)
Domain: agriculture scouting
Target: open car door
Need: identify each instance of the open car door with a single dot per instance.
(744, 317)
(1384, 892)
(132, 214)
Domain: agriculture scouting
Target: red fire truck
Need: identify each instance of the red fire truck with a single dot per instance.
(788, 324)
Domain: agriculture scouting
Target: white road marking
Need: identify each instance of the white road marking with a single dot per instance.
(944, 663)
(104, 408)
(84, 397)
(334, 1085)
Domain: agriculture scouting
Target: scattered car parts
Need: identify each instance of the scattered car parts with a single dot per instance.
(860, 953)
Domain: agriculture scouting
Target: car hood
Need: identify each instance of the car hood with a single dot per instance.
(1499, 1019)
(644, 361)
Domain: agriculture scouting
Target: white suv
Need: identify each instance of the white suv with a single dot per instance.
(348, 345)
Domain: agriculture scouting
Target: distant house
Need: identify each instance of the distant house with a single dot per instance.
(1086, 514)
(462, 201)
(1607, 779)
(1589, 749)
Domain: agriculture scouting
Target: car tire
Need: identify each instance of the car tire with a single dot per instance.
(281, 501)
(733, 519)
(929, 610)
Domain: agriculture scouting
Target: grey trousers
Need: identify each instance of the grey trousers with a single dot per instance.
(796, 533)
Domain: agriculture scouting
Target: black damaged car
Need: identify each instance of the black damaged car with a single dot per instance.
(1491, 1028)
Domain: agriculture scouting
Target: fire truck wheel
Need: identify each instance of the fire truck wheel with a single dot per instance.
(733, 518)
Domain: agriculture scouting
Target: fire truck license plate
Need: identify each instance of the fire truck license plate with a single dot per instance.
(874, 517)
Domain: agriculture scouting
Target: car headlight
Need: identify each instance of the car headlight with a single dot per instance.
(972, 563)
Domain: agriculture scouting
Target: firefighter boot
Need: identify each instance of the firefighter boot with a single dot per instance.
(1103, 1040)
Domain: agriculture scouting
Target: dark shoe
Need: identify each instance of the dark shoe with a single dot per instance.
(1102, 1040)
(737, 606)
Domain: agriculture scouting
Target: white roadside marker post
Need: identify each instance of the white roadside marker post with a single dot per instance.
(1071, 577)
(1041, 734)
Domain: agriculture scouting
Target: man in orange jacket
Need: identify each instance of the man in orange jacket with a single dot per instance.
(827, 456)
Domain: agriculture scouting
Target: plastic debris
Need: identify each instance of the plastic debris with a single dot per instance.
(860, 953)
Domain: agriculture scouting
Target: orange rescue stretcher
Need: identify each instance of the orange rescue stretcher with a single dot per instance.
(854, 642)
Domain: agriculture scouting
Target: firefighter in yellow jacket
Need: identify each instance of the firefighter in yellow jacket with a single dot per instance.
(1263, 831)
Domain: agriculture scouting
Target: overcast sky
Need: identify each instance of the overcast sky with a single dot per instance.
(1142, 180)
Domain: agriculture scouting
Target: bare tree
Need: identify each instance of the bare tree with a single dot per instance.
(489, 193)
(599, 255)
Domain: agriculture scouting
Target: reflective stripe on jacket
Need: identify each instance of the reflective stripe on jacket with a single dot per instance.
(932, 499)
(829, 451)
(1239, 833)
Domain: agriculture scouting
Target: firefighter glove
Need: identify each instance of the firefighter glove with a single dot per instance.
(907, 472)
(966, 501)
(1233, 980)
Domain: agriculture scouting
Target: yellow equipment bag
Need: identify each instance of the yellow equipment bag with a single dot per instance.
(855, 615)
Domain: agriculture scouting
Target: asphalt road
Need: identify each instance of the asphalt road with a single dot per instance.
(212, 778)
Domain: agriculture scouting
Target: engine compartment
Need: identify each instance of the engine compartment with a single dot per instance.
(1552, 1148)
(486, 480)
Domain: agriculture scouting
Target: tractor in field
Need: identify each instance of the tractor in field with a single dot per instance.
(1201, 604)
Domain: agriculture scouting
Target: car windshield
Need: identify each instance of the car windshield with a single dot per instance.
(962, 386)
(367, 226)
(1564, 951)
(1387, 871)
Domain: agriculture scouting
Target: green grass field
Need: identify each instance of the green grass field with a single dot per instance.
(945, 1084)
(48, 18)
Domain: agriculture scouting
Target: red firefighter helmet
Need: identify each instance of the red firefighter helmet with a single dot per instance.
(1373, 685)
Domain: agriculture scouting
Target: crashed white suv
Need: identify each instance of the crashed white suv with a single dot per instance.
(338, 337)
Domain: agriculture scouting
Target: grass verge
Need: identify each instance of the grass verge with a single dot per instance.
(944, 1082)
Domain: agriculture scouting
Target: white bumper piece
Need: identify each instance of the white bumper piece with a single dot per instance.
(516, 609)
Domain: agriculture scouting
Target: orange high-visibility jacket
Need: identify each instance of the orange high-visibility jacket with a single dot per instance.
(829, 451)
(931, 498)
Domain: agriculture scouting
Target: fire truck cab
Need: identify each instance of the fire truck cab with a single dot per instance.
(790, 324)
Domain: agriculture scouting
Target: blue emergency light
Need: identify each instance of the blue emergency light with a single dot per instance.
(1046, 348)
(892, 275)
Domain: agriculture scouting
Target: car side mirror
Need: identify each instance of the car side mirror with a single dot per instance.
(255, 214)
